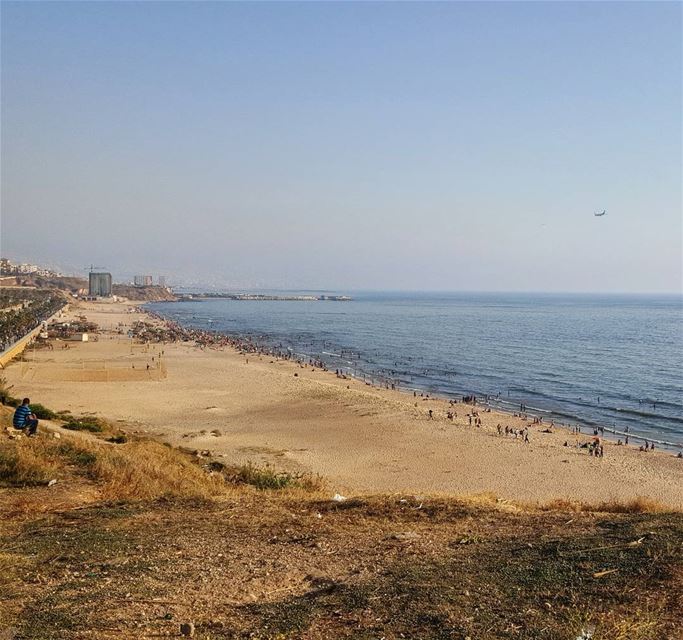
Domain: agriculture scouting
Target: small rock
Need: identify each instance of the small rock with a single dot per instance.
(52, 483)
(56, 435)
(187, 629)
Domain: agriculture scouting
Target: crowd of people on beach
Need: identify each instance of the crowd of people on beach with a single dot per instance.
(166, 330)
(517, 433)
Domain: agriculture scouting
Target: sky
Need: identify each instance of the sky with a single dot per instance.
(344, 146)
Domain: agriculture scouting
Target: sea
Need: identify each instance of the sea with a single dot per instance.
(610, 361)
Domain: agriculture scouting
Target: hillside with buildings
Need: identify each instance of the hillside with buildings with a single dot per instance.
(98, 285)
(152, 293)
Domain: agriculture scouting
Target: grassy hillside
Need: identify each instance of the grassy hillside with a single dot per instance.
(136, 538)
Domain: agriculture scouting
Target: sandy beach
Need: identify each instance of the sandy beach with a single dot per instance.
(361, 439)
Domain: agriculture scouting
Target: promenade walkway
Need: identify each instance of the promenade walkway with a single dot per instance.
(18, 347)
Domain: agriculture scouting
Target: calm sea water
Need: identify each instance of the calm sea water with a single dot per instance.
(612, 361)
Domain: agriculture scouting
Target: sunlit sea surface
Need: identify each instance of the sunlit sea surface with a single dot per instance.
(610, 361)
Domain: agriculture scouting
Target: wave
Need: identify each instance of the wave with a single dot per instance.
(646, 414)
(398, 345)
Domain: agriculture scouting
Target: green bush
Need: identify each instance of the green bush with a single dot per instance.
(76, 455)
(267, 478)
(42, 412)
(264, 478)
(93, 425)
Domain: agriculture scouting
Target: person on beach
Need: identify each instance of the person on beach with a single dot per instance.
(24, 418)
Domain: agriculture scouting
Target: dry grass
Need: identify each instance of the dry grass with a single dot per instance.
(139, 470)
(637, 505)
(267, 478)
(98, 555)
(22, 465)
(145, 470)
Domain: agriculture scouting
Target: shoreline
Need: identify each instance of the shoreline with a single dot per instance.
(387, 383)
(249, 407)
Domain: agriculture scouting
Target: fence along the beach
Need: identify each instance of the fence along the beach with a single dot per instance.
(94, 371)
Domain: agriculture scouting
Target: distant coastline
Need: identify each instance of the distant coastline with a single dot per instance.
(191, 297)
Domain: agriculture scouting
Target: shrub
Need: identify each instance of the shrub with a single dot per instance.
(42, 412)
(93, 425)
(267, 478)
(5, 388)
(77, 455)
(25, 466)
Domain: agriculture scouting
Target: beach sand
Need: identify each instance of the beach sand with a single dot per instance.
(361, 439)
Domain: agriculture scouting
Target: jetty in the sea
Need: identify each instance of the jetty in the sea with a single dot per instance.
(260, 297)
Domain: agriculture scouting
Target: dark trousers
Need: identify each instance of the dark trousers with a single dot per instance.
(31, 427)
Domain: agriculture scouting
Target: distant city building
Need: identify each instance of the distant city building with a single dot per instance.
(99, 284)
(162, 281)
(142, 281)
(9, 269)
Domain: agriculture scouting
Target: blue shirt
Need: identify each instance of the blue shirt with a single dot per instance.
(21, 415)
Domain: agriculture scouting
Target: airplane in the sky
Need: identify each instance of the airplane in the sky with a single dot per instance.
(599, 214)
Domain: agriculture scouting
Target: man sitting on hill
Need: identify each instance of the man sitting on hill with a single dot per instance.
(24, 418)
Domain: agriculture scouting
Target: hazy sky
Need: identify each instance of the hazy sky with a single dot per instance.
(435, 146)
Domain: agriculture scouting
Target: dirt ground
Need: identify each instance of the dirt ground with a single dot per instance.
(135, 539)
